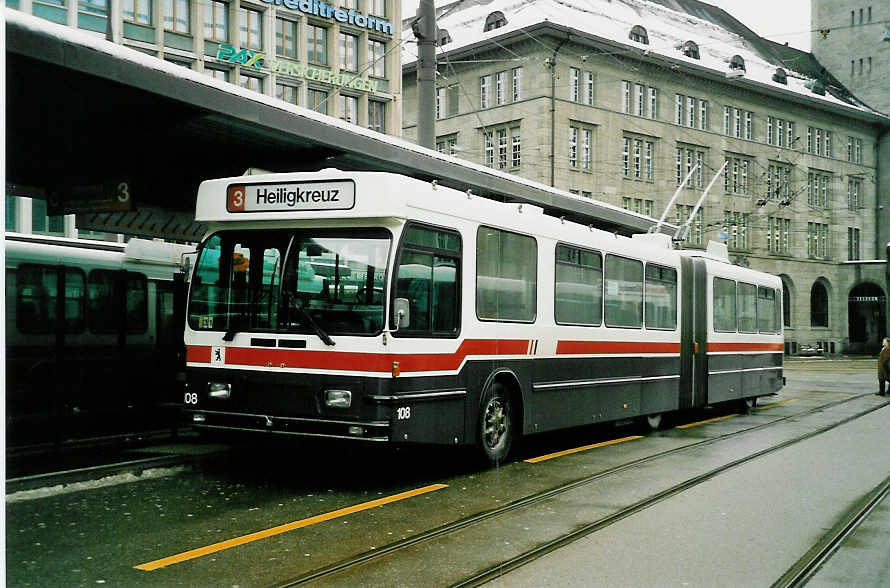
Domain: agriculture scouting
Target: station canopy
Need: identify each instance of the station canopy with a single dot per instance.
(85, 116)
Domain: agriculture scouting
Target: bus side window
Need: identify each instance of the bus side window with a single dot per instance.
(624, 292)
(724, 308)
(102, 313)
(137, 303)
(428, 277)
(35, 298)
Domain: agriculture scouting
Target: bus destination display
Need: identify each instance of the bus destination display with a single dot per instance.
(295, 197)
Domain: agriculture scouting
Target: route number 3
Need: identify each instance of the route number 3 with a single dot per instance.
(191, 398)
(403, 413)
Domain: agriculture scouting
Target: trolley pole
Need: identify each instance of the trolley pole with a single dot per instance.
(424, 29)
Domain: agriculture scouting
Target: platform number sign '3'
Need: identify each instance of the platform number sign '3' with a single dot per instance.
(237, 198)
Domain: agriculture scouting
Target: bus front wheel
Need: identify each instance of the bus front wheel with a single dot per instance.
(496, 424)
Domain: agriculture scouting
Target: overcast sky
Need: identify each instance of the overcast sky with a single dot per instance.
(777, 20)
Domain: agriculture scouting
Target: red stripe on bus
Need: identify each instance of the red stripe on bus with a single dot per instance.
(197, 354)
(592, 347)
(746, 347)
(362, 362)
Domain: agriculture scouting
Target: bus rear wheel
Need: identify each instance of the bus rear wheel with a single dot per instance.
(496, 424)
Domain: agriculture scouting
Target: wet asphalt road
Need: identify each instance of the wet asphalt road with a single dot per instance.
(751, 516)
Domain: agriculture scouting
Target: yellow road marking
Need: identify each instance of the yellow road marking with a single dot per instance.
(714, 420)
(201, 551)
(775, 404)
(577, 449)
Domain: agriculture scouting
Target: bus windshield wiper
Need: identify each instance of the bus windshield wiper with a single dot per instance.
(318, 330)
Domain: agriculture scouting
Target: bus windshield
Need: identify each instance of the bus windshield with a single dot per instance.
(328, 282)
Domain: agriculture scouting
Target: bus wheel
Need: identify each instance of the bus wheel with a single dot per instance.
(496, 424)
(748, 404)
(653, 421)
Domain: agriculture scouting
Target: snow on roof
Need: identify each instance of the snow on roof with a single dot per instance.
(668, 30)
(99, 43)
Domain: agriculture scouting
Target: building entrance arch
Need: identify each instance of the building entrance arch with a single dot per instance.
(866, 308)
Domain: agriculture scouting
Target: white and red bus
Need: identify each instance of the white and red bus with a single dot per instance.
(378, 307)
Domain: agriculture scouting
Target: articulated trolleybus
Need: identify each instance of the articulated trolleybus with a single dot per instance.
(377, 307)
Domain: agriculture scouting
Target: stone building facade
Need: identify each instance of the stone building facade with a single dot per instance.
(619, 105)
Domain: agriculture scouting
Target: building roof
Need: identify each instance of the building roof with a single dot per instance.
(670, 24)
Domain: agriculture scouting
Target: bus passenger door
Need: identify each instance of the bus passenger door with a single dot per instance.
(693, 333)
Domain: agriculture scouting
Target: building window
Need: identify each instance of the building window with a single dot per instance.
(348, 52)
(317, 100)
(574, 84)
(377, 115)
(573, 147)
(446, 145)
(484, 91)
(317, 44)
(440, 103)
(778, 235)
(377, 7)
(286, 38)
(687, 158)
(517, 84)
(216, 21)
(852, 244)
(251, 29)
(817, 240)
(176, 16)
(515, 147)
(216, 73)
(653, 103)
(625, 97)
(488, 149)
(778, 182)
(736, 226)
(854, 189)
(453, 100)
(138, 11)
(641, 151)
(690, 111)
(640, 205)
(349, 108)
(377, 58)
(251, 82)
(586, 142)
(639, 34)
(639, 99)
(495, 20)
(696, 232)
(499, 80)
(502, 148)
(286, 92)
(679, 99)
(588, 91)
(818, 306)
(99, 7)
(735, 175)
(818, 189)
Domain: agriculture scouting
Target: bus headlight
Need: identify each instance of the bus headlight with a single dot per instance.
(219, 390)
(337, 398)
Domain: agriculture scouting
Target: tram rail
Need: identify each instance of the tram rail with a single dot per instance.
(807, 566)
(350, 564)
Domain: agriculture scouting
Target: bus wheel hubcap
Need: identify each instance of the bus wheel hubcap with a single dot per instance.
(495, 422)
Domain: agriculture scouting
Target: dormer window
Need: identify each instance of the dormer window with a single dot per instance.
(443, 38)
(737, 63)
(690, 49)
(495, 20)
(780, 76)
(639, 35)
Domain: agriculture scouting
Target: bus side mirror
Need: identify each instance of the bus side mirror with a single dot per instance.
(402, 314)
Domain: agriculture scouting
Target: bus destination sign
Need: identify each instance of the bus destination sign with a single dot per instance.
(292, 197)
